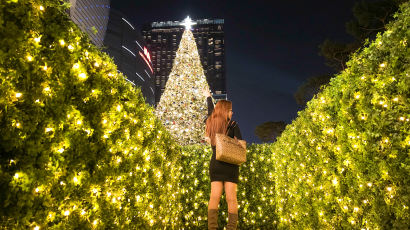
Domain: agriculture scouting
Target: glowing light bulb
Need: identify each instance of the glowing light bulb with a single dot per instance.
(334, 181)
(369, 184)
(383, 65)
(37, 40)
(76, 66)
(75, 179)
(41, 8)
(66, 213)
(118, 108)
(402, 118)
(82, 76)
(79, 122)
(70, 47)
(96, 64)
(62, 42)
(18, 95)
(60, 150)
(37, 190)
(37, 101)
(83, 212)
(29, 58)
(36, 228)
(45, 67)
(389, 189)
(16, 176)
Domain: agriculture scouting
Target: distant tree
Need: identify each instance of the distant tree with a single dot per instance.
(269, 131)
(370, 18)
(311, 87)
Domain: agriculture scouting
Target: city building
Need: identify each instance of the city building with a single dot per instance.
(92, 17)
(125, 45)
(163, 39)
(113, 33)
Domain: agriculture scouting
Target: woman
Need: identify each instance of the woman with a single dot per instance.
(224, 176)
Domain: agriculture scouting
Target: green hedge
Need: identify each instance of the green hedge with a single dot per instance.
(256, 189)
(344, 162)
(79, 146)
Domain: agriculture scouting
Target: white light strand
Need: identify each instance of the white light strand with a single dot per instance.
(129, 51)
(140, 76)
(128, 23)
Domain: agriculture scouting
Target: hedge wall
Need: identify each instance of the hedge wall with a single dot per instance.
(256, 189)
(79, 146)
(344, 162)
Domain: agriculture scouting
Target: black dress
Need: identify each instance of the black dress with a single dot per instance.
(219, 170)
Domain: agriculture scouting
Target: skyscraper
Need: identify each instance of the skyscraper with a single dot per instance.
(163, 39)
(110, 30)
(125, 45)
(92, 17)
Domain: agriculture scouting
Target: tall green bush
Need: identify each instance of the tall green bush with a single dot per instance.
(79, 146)
(344, 162)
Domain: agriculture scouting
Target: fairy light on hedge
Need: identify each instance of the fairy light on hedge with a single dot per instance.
(82, 76)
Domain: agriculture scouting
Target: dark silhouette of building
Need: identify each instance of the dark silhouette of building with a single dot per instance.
(163, 39)
(110, 30)
(125, 45)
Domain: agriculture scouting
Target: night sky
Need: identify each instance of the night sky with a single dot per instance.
(271, 47)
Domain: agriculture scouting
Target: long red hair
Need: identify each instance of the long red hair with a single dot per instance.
(217, 122)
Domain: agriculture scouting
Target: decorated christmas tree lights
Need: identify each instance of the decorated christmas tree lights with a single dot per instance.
(182, 107)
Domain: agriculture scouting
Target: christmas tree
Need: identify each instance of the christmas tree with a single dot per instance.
(182, 107)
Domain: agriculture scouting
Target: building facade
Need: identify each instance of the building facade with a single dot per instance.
(92, 17)
(125, 45)
(163, 39)
(117, 36)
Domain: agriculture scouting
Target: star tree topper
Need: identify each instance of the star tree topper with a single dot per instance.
(187, 23)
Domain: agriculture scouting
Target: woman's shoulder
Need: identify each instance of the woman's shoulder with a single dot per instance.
(232, 124)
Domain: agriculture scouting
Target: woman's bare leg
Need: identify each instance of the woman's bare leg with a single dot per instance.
(230, 192)
(216, 193)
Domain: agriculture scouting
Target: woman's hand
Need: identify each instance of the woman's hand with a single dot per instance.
(206, 93)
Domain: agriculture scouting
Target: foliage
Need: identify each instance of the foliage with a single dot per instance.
(310, 88)
(269, 131)
(344, 162)
(256, 189)
(370, 18)
(79, 147)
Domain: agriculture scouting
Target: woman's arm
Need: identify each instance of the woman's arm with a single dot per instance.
(210, 105)
(237, 132)
(209, 101)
